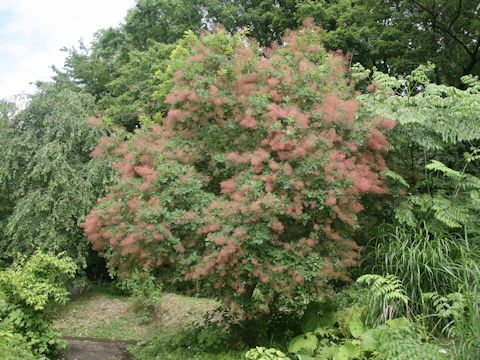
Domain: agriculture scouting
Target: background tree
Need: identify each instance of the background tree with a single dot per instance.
(161, 20)
(90, 69)
(394, 36)
(255, 177)
(435, 148)
(266, 20)
(47, 179)
(129, 100)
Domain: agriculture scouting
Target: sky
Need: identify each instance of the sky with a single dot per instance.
(32, 32)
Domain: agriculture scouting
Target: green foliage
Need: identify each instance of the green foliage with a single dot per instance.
(424, 261)
(143, 287)
(399, 339)
(458, 312)
(386, 297)
(327, 331)
(395, 37)
(457, 200)
(317, 315)
(157, 351)
(8, 110)
(163, 21)
(304, 344)
(454, 315)
(212, 334)
(129, 98)
(118, 68)
(27, 290)
(266, 20)
(348, 338)
(12, 345)
(255, 177)
(435, 124)
(47, 180)
(261, 353)
(36, 281)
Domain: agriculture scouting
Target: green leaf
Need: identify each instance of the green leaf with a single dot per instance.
(305, 357)
(304, 344)
(398, 322)
(369, 338)
(317, 315)
(347, 351)
(356, 326)
(397, 177)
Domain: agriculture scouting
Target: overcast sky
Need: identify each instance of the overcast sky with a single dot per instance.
(32, 32)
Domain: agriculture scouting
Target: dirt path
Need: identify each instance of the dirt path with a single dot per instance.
(89, 322)
(95, 349)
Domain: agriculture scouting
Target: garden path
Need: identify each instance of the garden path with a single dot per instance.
(95, 349)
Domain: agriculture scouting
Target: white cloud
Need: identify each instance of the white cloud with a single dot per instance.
(32, 32)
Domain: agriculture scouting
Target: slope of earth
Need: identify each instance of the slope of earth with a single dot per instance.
(99, 324)
(101, 314)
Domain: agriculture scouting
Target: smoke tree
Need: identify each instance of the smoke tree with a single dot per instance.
(255, 177)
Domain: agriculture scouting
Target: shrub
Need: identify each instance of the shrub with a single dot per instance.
(255, 177)
(28, 289)
(146, 292)
(332, 331)
(12, 345)
(48, 183)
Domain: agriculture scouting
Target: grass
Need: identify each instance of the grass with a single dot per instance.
(424, 261)
(100, 313)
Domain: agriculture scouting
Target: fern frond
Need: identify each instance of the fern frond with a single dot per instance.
(404, 215)
(450, 213)
(445, 170)
(397, 177)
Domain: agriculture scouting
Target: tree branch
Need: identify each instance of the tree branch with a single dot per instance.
(443, 27)
(457, 14)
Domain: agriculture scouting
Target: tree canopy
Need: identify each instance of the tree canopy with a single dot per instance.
(47, 181)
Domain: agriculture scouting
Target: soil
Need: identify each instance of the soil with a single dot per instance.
(95, 349)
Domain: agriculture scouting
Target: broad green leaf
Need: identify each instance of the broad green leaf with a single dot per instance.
(356, 326)
(398, 322)
(304, 344)
(347, 351)
(317, 315)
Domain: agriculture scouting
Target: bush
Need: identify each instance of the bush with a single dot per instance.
(255, 177)
(12, 345)
(28, 289)
(142, 285)
(337, 329)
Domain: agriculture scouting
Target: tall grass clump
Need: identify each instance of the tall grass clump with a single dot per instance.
(465, 329)
(441, 277)
(423, 260)
(458, 313)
